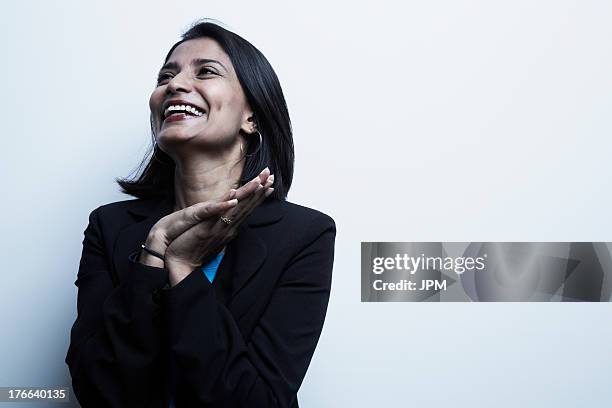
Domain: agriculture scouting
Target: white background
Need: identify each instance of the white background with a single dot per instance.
(413, 121)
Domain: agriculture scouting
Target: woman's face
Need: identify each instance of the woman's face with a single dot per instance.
(199, 74)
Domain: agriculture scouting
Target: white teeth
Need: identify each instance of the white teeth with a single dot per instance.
(183, 108)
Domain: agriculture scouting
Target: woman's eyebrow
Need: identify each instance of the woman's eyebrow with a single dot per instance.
(196, 61)
(201, 61)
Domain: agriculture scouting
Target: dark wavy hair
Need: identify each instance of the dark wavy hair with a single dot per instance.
(265, 97)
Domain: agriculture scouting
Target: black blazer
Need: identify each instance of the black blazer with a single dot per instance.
(245, 340)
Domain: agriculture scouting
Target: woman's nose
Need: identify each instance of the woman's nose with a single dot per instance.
(179, 83)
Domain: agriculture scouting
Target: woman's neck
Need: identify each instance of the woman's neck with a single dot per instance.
(205, 178)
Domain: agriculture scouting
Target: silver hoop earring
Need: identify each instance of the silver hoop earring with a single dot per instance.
(258, 146)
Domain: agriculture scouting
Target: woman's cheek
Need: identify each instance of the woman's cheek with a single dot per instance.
(155, 101)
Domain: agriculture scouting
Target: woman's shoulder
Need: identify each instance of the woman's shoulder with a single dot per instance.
(114, 216)
(303, 227)
(133, 205)
(300, 223)
(302, 214)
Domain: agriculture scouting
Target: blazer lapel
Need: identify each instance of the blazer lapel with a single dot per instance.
(246, 255)
(248, 252)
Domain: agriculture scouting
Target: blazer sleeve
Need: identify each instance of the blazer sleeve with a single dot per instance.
(218, 367)
(115, 340)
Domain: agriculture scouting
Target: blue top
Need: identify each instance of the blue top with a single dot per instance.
(210, 270)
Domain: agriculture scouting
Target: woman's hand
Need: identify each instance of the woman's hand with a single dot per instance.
(187, 251)
(186, 237)
(172, 225)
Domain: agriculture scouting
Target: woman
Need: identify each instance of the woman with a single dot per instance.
(208, 289)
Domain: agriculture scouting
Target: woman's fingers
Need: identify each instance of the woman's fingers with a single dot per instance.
(240, 202)
(210, 208)
(245, 206)
(269, 181)
(265, 173)
(237, 204)
(247, 189)
(195, 214)
(258, 192)
(251, 186)
(259, 189)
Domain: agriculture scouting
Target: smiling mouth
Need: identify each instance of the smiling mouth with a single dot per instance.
(181, 112)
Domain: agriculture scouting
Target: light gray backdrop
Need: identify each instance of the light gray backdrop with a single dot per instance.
(414, 121)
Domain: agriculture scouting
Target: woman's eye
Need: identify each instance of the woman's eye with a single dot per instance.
(163, 77)
(167, 75)
(205, 70)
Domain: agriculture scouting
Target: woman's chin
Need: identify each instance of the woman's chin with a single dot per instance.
(172, 136)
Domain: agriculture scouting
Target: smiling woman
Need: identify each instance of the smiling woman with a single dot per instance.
(209, 288)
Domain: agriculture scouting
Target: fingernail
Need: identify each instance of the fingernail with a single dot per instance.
(233, 202)
(264, 170)
(267, 193)
(271, 178)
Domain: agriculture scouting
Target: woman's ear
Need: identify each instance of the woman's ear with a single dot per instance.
(248, 123)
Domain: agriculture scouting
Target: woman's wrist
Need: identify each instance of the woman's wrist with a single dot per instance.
(178, 271)
(150, 260)
(156, 245)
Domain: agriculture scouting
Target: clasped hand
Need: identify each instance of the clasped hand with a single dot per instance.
(186, 237)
